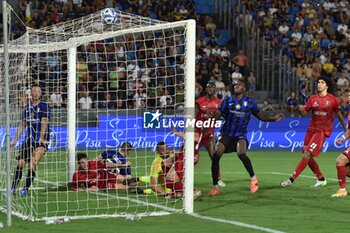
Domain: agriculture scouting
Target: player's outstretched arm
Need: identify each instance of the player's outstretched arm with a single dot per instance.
(341, 119)
(178, 133)
(116, 165)
(263, 117)
(182, 135)
(344, 137)
(155, 187)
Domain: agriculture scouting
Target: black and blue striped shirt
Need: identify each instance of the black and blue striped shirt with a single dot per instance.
(32, 116)
(237, 115)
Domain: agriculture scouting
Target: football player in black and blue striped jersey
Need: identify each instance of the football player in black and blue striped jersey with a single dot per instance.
(236, 112)
(35, 124)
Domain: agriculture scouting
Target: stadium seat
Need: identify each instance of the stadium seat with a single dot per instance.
(204, 6)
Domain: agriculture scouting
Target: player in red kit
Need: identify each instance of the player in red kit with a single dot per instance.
(323, 106)
(343, 162)
(209, 106)
(92, 176)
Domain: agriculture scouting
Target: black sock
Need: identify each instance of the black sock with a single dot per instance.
(247, 164)
(215, 167)
(321, 179)
(30, 177)
(291, 179)
(17, 177)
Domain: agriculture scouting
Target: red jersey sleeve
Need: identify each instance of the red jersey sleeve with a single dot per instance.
(308, 104)
(336, 106)
(75, 181)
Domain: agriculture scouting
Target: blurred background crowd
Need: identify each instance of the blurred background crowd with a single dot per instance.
(302, 39)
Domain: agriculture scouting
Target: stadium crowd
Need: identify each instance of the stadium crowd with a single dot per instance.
(313, 34)
(117, 79)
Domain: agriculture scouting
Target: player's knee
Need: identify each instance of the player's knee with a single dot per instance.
(21, 163)
(307, 155)
(342, 160)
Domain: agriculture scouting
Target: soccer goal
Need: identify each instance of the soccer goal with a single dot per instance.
(102, 75)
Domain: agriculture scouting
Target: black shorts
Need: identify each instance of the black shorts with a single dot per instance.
(230, 143)
(27, 150)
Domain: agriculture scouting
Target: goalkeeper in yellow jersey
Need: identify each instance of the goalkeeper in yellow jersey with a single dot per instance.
(159, 169)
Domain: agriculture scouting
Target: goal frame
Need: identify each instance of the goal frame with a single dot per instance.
(71, 47)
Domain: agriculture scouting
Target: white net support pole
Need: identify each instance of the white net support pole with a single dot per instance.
(7, 90)
(71, 105)
(189, 105)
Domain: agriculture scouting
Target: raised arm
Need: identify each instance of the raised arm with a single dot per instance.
(342, 121)
(263, 117)
(182, 135)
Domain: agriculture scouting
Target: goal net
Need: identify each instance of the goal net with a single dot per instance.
(102, 78)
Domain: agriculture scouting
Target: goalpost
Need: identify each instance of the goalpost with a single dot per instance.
(108, 75)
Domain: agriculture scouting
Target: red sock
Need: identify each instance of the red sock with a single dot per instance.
(300, 167)
(341, 176)
(315, 169)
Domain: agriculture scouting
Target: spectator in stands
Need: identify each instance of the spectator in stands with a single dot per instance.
(85, 101)
(225, 56)
(139, 96)
(210, 27)
(292, 104)
(56, 98)
(220, 86)
(236, 75)
(165, 99)
(108, 102)
(251, 85)
(241, 61)
(343, 82)
(216, 71)
(180, 92)
(224, 93)
(266, 106)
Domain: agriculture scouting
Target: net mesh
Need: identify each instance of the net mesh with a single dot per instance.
(123, 70)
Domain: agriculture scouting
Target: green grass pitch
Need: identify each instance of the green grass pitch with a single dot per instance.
(298, 208)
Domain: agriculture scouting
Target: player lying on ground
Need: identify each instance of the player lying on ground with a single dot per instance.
(167, 172)
(92, 175)
(118, 157)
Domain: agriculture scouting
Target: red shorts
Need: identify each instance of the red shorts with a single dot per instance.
(313, 143)
(347, 152)
(179, 165)
(206, 137)
(108, 182)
